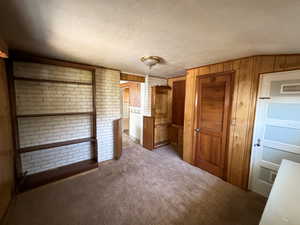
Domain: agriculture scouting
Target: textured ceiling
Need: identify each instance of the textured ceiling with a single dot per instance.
(116, 33)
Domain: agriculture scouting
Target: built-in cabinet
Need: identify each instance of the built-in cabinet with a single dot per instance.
(155, 129)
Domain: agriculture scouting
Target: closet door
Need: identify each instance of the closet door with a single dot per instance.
(213, 104)
(277, 128)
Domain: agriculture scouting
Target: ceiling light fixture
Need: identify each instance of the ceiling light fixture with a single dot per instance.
(150, 61)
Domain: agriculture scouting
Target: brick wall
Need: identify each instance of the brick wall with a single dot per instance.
(108, 110)
(39, 98)
(38, 161)
(44, 130)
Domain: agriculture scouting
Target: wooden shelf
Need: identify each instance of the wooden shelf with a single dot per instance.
(56, 144)
(35, 180)
(55, 114)
(52, 81)
(42, 178)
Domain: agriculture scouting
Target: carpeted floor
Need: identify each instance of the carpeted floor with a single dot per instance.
(142, 188)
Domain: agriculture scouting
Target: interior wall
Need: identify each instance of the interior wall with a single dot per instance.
(6, 145)
(246, 78)
(108, 109)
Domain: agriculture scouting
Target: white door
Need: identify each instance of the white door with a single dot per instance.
(277, 128)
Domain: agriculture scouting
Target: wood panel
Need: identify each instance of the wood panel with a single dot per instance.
(170, 94)
(25, 57)
(117, 138)
(132, 77)
(159, 110)
(126, 95)
(175, 134)
(134, 93)
(161, 134)
(178, 102)
(247, 71)
(56, 144)
(148, 132)
(6, 145)
(46, 177)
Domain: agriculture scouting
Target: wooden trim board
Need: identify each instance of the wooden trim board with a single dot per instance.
(54, 145)
(49, 176)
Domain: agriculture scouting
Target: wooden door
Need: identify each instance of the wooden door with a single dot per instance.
(178, 101)
(277, 128)
(213, 104)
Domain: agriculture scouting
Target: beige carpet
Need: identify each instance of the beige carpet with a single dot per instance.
(142, 188)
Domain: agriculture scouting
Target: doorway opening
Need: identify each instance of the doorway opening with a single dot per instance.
(131, 112)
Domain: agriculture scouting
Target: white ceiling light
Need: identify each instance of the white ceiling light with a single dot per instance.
(150, 61)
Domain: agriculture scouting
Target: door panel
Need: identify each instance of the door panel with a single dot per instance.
(211, 124)
(212, 106)
(178, 99)
(209, 142)
(277, 128)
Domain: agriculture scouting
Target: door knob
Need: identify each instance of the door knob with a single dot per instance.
(257, 143)
(197, 130)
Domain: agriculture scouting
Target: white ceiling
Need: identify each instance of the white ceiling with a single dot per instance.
(117, 33)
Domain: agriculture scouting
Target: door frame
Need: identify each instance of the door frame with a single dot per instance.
(256, 152)
(232, 83)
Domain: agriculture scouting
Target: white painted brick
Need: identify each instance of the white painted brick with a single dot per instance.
(44, 130)
(38, 161)
(108, 110)
(38, 97)
(41, 71)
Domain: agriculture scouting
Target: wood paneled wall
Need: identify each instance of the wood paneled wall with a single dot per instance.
(132, 77)
(247, 71)
(6, 145)
(170, 96)
(134, 93)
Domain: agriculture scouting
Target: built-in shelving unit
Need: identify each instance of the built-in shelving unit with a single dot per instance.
(40, 178)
